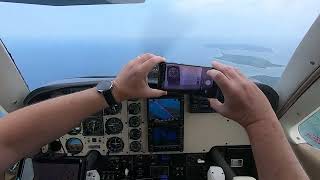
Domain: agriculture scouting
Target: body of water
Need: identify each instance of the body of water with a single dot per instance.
(43, 61)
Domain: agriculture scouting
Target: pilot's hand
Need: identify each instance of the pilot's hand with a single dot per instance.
(244, 102)
(131, 82)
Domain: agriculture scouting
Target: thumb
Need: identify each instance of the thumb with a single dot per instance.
(216, 105)
(155, 92)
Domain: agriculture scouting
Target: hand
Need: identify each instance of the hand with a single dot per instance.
(243, 100)
(132, 81)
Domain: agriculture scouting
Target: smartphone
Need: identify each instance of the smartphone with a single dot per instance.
(185, 78)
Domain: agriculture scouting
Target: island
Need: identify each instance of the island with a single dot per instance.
(245, 47)
(268, 80)
(248, 60)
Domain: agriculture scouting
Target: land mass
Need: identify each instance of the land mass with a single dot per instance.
(268, 80)
(248, 60)
(245, 47)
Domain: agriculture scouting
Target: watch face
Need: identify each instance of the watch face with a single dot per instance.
(104, 86)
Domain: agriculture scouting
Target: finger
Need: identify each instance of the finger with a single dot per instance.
(148, 65)
(216, 105)
(131, 63)
(141, 59)
(220, 79)
(229, 71)
(240, 73)
(155, 92)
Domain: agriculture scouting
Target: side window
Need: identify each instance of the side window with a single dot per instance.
(2, 112)
(310, 129)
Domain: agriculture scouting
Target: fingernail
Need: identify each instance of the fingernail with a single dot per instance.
(212, 73)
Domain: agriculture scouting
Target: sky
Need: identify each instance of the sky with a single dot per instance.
(81, 38)
(161, 18)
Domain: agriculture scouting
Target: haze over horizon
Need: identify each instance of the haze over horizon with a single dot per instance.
(83, 39)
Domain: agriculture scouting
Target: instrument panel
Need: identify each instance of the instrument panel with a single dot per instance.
(173, 124)
(120, 132)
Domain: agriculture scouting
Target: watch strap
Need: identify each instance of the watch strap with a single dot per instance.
(105, 89)
(108, 96)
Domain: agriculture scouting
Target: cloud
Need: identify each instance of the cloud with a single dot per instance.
(194, 4)
(249, 18)
(237, 5)
(187, 5)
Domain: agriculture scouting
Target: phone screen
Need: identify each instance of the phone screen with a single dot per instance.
(186, 77)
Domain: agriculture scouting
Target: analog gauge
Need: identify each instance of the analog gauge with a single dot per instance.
(135, 146)
(135, 134)
(74, 145)
(114, 126)
(134, 108)
(93, 126)
(112, 111)
(75, 131)
(115, 144)
(134, 121)
(55, 146)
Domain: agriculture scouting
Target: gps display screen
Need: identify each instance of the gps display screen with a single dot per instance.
(164, 109)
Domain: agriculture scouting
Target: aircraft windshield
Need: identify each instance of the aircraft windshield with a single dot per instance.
(53, 43)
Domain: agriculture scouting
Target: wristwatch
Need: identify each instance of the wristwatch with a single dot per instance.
(105, 88)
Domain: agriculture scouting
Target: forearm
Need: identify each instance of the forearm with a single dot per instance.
(273, 155)
(31, 127)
